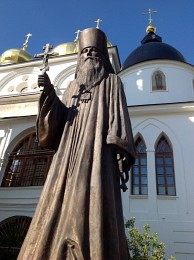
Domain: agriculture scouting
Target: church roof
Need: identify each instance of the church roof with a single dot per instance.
(152, 48)
(16, 55)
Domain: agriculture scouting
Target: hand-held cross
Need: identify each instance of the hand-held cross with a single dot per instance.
(45, 55)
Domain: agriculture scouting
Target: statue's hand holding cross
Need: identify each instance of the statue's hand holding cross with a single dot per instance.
(43, 79)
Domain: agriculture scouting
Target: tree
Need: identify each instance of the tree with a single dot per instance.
(144, 246)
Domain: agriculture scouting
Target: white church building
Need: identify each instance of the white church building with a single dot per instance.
(159, 87)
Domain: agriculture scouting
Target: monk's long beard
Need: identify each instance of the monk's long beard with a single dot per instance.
(90, 73)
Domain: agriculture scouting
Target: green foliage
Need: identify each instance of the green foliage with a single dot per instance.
(144, 246)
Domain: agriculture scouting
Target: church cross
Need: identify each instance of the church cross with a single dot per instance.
(45, 55)
(25, 45)
(77, 35)
(150, 12)
(98, 21)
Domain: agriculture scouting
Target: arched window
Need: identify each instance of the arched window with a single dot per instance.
(12, 234)
(139, 184)
(165, 168)
(28, 164)
(158, 81)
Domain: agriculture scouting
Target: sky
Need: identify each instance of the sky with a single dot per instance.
(123, 21)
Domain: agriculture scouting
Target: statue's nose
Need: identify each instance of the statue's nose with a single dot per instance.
(89, 52)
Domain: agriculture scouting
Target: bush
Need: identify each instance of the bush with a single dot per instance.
(144, 246)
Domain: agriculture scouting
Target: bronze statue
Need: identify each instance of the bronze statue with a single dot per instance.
(79, 214)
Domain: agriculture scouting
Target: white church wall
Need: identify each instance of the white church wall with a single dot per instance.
(20, 201)
(138, 83)
(24, 80)
(170, 216)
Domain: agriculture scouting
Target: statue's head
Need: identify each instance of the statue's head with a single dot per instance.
(93, 37)
(94, 42)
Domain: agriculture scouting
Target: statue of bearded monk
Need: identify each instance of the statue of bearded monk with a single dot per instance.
(79, 214)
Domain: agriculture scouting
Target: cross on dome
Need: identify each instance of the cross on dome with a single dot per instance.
(150, 12)
(98, 21)
(150, 28)
(25, 45)
(77, 35)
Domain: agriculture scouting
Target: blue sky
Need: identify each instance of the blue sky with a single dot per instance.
(56, 21)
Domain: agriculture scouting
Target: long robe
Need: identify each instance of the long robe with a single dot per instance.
(79, 214)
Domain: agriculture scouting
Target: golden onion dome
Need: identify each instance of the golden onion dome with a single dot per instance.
(66, 48)
(15, 56)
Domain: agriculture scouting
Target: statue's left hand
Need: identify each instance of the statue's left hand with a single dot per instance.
(123, 169)
(123, 163)
(44, 82)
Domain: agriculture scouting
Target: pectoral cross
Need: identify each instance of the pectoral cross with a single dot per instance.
(98, 21)
(150, 12)
(45, 56)
(85, 96)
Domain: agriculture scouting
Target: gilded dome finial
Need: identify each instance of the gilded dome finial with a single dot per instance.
(25, 45)
(98, 21)
(150, 27)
